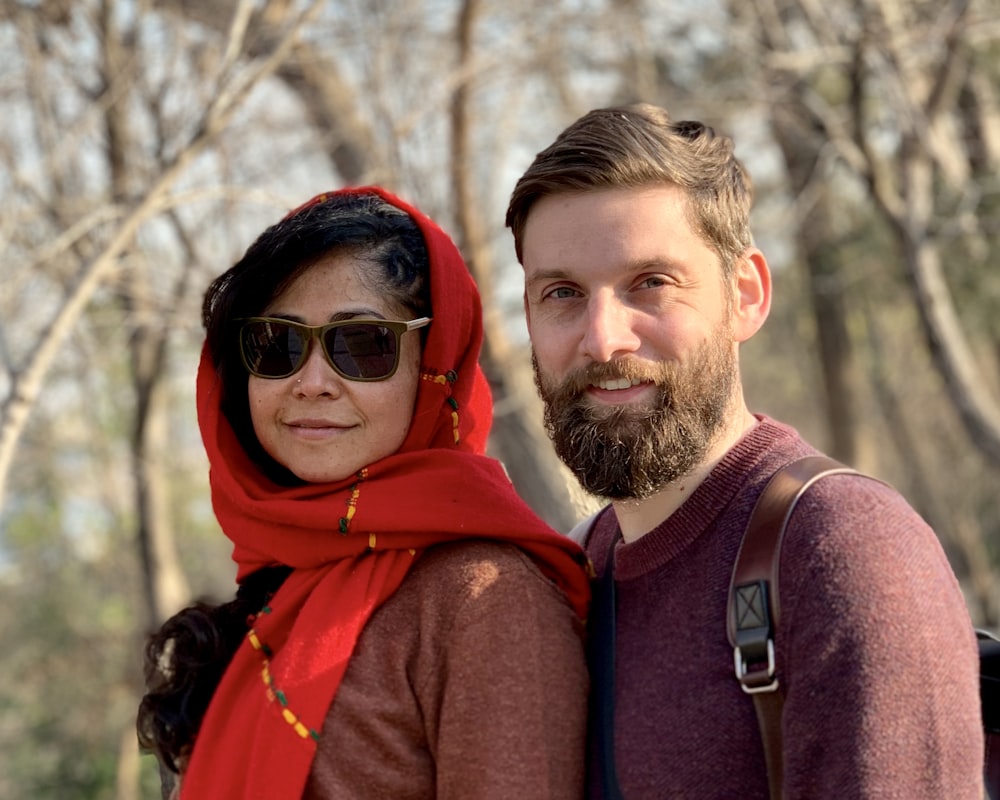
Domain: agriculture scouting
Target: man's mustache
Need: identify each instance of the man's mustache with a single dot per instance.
(629, 369)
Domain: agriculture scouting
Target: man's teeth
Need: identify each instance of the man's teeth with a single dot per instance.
(618, 383)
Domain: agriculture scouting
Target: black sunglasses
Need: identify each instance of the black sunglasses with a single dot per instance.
(357, 349)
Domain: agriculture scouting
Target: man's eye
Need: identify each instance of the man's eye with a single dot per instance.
(561, 293)
(652, 282)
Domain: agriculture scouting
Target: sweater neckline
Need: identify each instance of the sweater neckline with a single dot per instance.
(701, 510)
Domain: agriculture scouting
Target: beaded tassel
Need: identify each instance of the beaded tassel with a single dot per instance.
(352, 502)
(273, 693)
(444, 380)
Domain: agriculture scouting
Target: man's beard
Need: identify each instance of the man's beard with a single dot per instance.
(632, 451)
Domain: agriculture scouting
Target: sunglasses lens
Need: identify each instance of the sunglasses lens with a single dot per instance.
(365, 351)
(271, 349)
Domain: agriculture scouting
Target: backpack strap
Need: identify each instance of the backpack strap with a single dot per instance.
(580, 532)
(601, 661)
(754, 608)
(989, 697)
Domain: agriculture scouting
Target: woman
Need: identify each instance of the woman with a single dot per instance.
(405, 626)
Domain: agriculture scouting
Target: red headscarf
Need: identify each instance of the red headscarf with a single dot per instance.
(351, 544)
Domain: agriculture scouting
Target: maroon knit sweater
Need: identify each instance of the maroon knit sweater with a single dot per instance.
(876, 652)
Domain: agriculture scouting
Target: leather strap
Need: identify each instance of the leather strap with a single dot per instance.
(991, 770)
(751, 622)
(989, 694)
(754, 607)
(601, 658)
(580, 532)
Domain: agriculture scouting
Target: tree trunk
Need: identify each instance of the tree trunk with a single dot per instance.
(946, 340)
(518, 437)
(814, 234)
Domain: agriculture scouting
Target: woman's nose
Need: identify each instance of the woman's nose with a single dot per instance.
(316, 376)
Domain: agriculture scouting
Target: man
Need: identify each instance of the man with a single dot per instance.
(641, 281)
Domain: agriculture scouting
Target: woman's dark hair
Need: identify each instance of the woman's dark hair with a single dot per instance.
(186, 657)
(185, 660)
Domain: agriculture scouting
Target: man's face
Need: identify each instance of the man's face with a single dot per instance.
(630, 328)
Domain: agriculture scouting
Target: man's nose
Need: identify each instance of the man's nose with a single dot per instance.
(610, 329)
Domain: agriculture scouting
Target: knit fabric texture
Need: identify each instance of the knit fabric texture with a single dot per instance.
(876, 651)
(470, 681)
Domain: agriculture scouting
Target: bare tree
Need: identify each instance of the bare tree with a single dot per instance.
(519, 437)
(26, 379)
(906, 68)
(886, 95)
(147, 144)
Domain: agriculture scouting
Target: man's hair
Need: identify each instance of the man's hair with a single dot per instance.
(638, 145)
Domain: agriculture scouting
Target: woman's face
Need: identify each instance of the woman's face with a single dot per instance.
(319, 425)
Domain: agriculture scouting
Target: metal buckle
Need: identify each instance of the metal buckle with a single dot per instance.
(748, 680)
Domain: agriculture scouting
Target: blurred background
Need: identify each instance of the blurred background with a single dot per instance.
(144, 145)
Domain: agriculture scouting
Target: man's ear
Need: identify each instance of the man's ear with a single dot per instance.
(752, 300)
